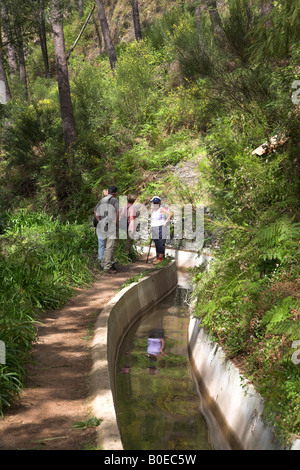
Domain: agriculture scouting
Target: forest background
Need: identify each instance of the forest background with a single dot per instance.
(150, 86)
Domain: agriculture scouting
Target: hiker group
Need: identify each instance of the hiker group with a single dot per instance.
(113, 223)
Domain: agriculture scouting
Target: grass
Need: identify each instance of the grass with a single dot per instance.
(89, 423)
(42, 261)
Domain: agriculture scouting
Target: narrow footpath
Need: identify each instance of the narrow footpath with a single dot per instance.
(57, 393)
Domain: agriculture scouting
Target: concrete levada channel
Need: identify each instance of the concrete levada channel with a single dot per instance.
(156, 400)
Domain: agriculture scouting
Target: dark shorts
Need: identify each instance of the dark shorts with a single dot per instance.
(159, 235)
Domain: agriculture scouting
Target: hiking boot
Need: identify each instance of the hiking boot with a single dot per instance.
(110, 271)
(99, 265)
(157, 261)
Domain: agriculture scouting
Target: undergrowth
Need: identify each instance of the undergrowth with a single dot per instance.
(186, 90)
(41, 262)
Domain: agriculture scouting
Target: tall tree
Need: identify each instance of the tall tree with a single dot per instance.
(16, 27)
(3, 77)
(199, 29)
(39, 15)
(216, 19)
(80, 8)
(66, 108)
(106, 34)
(22, 63)
(266, 6)
(97, 30)
(136, 20)
(9, 40)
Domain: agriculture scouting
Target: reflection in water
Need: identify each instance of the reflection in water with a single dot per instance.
(157, 405)
(155, 347)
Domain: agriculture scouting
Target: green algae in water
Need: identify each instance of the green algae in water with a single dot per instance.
(157, 405)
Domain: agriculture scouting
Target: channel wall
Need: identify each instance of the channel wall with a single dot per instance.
(112, 324)
(231, 406)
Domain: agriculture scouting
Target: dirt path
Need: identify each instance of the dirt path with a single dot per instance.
(57, 389)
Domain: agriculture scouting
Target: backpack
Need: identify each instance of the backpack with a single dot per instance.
(95, 220)
(124, 213)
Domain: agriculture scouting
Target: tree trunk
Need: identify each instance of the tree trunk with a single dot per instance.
(4, 87)
(80, 8)
(136, 20)
(199, 29)
(106, 34)
(12, 59)
(39, 16)
(21, 57)
(43, 41)
(216, 19)
(10, 48)
(22, 68)
(266, 7)
(218, 29)
(66, 108)
(98, 34)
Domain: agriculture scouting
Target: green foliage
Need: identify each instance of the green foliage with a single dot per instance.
(238, 27)
(277, 33)
(90, 423)
(160, 29)
(247, 299)
(27, 133)
(190, 107)
(186, 46)
(186, 85)
(279, 240)
(248, 303)
(91, 91)
(136, 87)
(279, 319)
(41, 262)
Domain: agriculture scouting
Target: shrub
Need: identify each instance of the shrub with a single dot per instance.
(191, 107)
(42, 260)
(136, 92)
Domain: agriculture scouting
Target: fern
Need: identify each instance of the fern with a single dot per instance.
(278, 319)
(278, 240)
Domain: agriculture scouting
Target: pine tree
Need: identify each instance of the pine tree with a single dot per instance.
(106, 34)
(66, 108)
(136, 20)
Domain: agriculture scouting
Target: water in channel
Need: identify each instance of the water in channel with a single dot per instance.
(157, 404)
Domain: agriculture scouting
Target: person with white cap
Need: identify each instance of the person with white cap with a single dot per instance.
(160, 217)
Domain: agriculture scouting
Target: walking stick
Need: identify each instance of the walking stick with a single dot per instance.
(149, 250)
